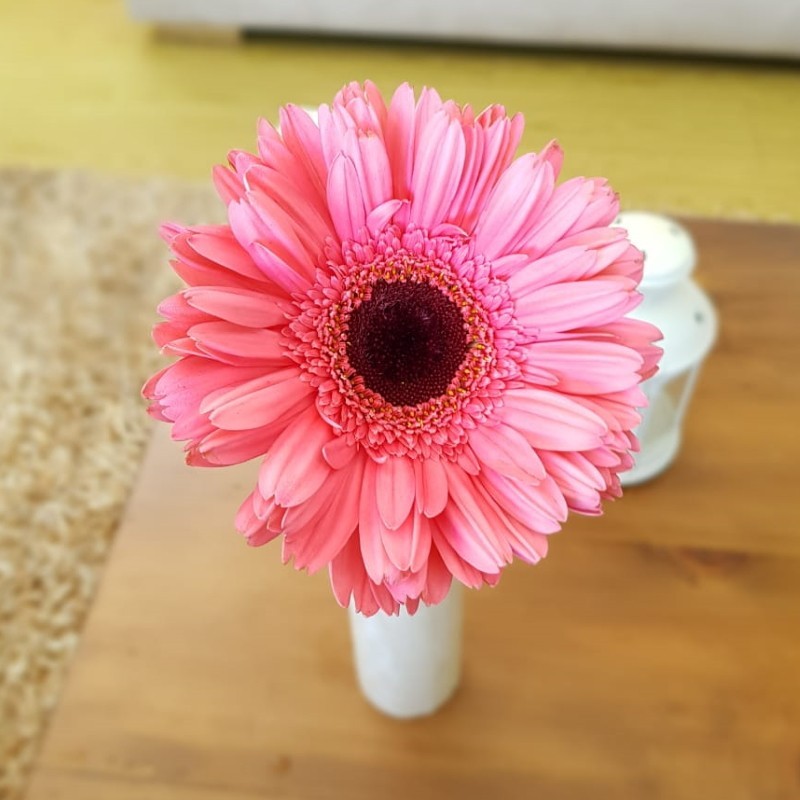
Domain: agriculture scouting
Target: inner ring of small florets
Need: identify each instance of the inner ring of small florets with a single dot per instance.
(406, 341)
(404, 276)
(414, 392)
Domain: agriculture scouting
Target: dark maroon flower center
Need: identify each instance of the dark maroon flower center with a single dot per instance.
(406, 341)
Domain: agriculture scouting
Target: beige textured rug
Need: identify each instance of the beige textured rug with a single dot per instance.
(82, 269)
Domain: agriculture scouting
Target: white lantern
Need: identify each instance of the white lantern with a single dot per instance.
(675, 304)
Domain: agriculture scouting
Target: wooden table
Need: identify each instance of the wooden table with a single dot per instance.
(654, 654)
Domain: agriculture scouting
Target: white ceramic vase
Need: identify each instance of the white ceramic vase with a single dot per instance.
(409, 666)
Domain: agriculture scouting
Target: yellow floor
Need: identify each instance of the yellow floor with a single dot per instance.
(81, 85)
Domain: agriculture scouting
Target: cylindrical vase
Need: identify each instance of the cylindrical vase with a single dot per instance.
(409, 666)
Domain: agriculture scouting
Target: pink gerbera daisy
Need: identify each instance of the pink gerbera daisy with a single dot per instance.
(424, 340)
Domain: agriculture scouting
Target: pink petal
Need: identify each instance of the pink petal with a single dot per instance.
(367, 118)
(317, 546)
(364, 104)
(240, 306)
(614, 255)
(469, 525)
(567, 203)
(431, 486)
(370, 526)
(308, 210)
(250, 525)
(381, 216)
(514, 205)
(552, 421)
(223, 249)
(603, 206)
(280, 166)
(234, 271)
(468, 461)
(618, 410)
(345, 199)
(274, 152)
(407, 547)
(408, 587)
(438, 579)
(165, 333)
(259, 402)
(278, 269)
(176, 309)
(429, 103)
(536, 375)
(302, 138)
(254, 345)
(474, 143)
(507, 451)
(279, 232)
(579, 480)
(400, 139)
(529, 545)
(383, 597)
(458, 567)
(294, 468)
(525, 542)
(397, 544)
(640, 335)
(420, 543)
(554, 155)
(526, 274)
(437, 170)
(188, 381)
(395, 488)
(338, 452)
(591, 238)
(241, 160)
(269, 140)
(498, 144)
(564, 306)
(334, 122)
(168, 337)
(540, 507)
(349, 579)
(221, 448)
(228, 184)
(252, 379)
(298, 521)
(200, 272)
(249, 230)
(367, 152)
(346, 571)
(375, 98)
(574, 470)
(587, 367)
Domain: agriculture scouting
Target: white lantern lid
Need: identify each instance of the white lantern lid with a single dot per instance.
(669, 252)
(671, 300)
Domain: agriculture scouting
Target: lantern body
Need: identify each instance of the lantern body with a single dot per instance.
(679, 307)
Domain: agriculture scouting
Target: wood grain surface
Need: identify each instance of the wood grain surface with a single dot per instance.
(654, 654)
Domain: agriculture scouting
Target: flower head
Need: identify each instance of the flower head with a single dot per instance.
(424, 340)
